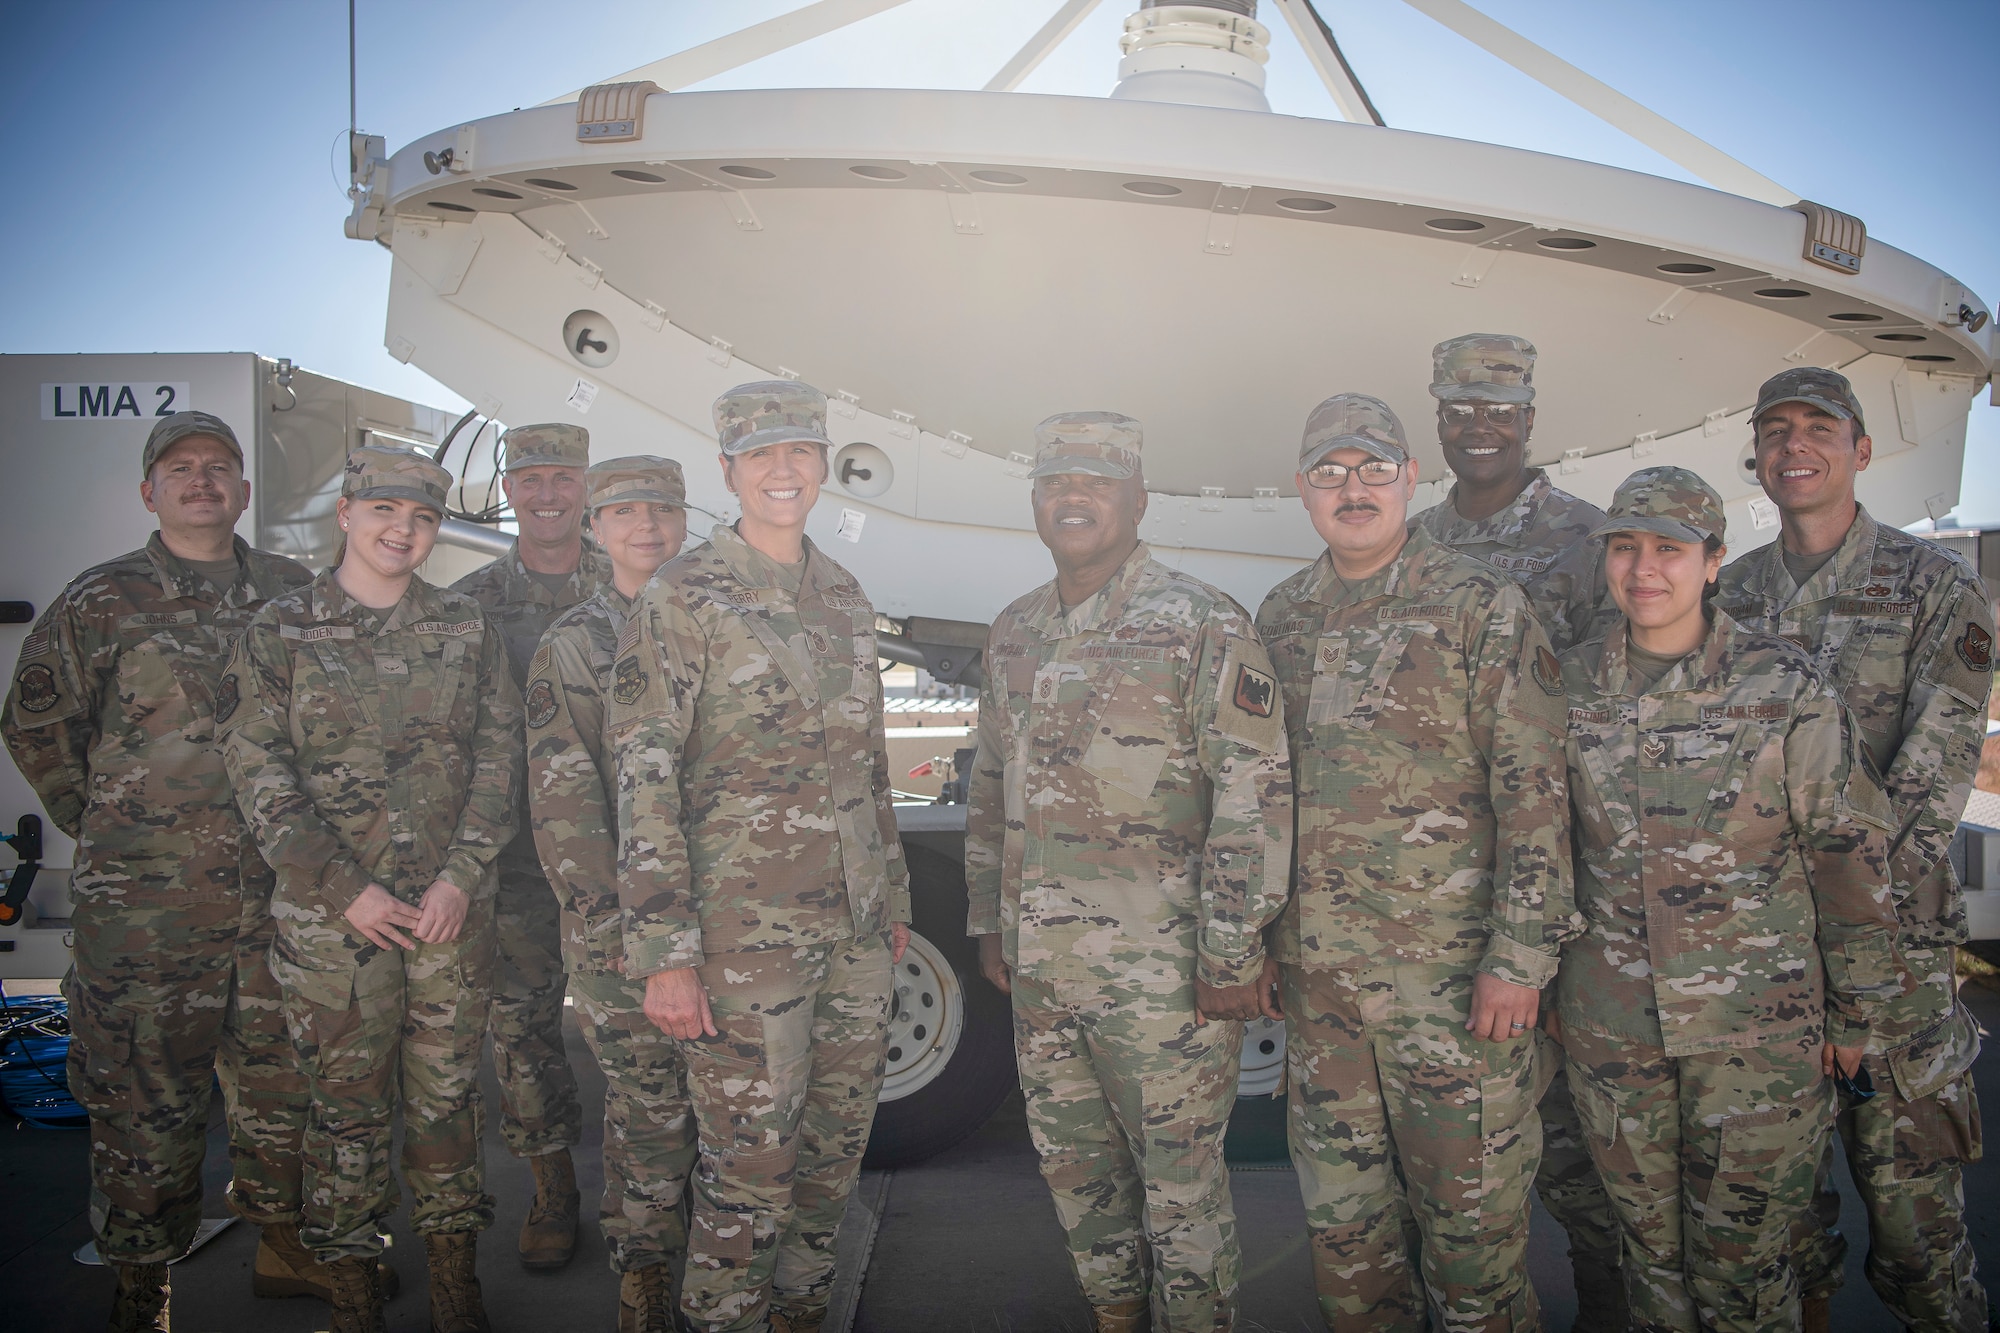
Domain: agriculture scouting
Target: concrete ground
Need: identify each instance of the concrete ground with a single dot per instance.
(967, 1241)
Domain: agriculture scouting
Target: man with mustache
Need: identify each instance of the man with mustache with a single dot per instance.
(1511, 516)
(111, 719)
(1902, 628)
(1128, 835)
(1433, 893)
(549, 571)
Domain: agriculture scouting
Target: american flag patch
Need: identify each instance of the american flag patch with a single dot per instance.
(36, 644)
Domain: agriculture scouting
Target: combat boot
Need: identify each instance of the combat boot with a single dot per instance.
(797, 1320)
(646, 1301)
(285, 1267)
(355, 1293)
(548, 1237)
(140, 1303)
(1131, 1316)
(1816, 1314)
(1600, 1297)
(455, 1303)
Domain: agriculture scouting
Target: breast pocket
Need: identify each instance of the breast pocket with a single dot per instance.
(1352, 675)
(1717, 765)
(1134, 732)
(449, 663)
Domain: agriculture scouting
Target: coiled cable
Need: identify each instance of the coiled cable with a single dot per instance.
(34, 1052)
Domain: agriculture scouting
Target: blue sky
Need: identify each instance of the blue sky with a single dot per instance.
(175, 186)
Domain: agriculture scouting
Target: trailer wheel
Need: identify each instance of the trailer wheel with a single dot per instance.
(951, 1042)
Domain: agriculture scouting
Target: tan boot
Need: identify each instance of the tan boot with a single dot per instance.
(646, 1301)
(356, 1296)
(548, 1237)
(1816, 1313)
(1123, 1317)
(455, 1303)
(1600, 1297)
(140, 1303)
(797, 1320)
(285, 1267)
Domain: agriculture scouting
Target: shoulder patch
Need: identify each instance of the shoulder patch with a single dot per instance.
(228, 694)
(541, 703)
(1974, 648)
(628, 681)
(1254, 691)
(36, 689)
(36, 645)
(628, 638)
(541, 661)
(1546, 670)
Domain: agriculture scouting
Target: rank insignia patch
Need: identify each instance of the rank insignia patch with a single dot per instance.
(37, 686)
(1255, 691)
(228, 694)
(1547, 671)
(628, 682)
(541, 702)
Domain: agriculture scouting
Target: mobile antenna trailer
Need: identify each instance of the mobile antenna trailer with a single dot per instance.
(952, 266)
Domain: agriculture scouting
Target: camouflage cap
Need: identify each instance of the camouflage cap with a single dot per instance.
(170, 431)
(751, 416)
(377, 472)
(1828, 390)
(1484, 368)
(1101, 444)
(550, 444)
(1353, 421)
(637, 477)
(1670, 501)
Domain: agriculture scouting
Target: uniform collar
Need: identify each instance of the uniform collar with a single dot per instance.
(178, 580)
(1405, 577)
(591, 572)
(1504, 527)
(753, 569)
(331, 604)
(1852, 566)
(1703, 671)
(1103, 608)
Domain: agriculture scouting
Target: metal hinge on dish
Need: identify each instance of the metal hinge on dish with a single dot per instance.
(613, 112)
(1834, 239)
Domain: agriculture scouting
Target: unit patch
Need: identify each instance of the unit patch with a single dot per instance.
(228, 694)
(628, 681)
(1975, 648)
(541, 702)
(37, 688)
(1255, 691)
(1547, 671)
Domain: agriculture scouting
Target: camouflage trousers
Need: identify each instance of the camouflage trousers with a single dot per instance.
(1709, 1161)
(375, 1027)
(1567, 1178)
(784, 1097)
(1128, 1101)
(649, 1142)
(539, 1110)
(1399, 1116)
(163, 1001)
(1907, 1157)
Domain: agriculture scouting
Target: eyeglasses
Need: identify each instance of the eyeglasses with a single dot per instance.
(1496, 414)
(1332, 476)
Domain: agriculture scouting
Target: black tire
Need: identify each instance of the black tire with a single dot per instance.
(980, 1073)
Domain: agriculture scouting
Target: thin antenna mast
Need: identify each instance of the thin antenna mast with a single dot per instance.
(352, 120)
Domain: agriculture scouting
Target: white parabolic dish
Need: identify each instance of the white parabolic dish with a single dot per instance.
(959, 265)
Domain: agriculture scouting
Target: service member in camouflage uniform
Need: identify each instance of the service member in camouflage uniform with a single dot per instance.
(111, 719)
(1738, 940)
(549, 570)
(1432, 896)
(763, 885)
(373, 736)
(638, 515)
(1511, 516)
(1902, 629)
(1128, 836)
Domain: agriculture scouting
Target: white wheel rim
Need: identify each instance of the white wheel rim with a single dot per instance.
(926, 1019)
(1263, 1070)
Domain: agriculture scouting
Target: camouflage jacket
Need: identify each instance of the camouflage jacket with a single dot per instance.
(1426, 720)
(1129, 814)
(1722, 822)
(1902, 629)
(753, 783)
(520, 609)
(361, 754)
(111, 719)
(1542, 542)
(570, 778)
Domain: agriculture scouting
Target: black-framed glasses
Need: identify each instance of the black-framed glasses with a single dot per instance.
(1332, 476)
(1496, 414)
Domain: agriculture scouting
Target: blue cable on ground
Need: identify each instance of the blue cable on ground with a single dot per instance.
(34, 1052)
